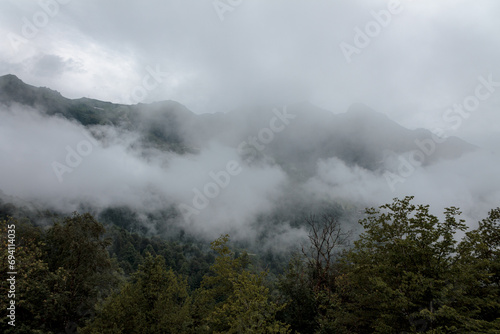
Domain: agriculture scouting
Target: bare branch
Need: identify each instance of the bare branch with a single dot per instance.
(325, 236)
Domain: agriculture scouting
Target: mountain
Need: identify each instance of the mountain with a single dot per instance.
(361, 136)
(158, 129)
(298, 160)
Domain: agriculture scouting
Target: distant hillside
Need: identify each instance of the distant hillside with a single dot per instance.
(360, 136)
(288, 151)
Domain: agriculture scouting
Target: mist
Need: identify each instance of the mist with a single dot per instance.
(191, 133)
(114, 173)
(65, 166)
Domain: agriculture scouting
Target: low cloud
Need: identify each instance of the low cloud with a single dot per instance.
(62, 165)
(470, 182)
(39, 164)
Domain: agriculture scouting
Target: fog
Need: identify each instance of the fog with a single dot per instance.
(418, 64)
(219, 189)
(114, 174)
(470, 183)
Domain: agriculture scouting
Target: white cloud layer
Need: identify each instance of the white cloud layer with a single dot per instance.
(57, 162)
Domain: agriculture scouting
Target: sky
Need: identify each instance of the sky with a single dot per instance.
(411, 60)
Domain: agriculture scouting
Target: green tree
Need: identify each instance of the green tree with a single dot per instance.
(233, 299)
(401, 264)
(76, 253)
(32, 280)
(480, 269)
(61, 273)
(296, 287)
(156, 301)
(408, 273)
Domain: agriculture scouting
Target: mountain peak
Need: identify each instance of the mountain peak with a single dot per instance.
(9, 77)
(361, 109)
(10, 80)
(13, 89)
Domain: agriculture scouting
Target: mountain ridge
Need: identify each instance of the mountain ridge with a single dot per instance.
(360, 136)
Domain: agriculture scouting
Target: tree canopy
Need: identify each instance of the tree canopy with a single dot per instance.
(409, 271)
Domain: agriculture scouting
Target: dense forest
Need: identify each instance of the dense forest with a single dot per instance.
(407, 272)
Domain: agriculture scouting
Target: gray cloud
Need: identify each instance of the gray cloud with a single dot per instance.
(38, 155)
(459, 182)
(422, 62)
(50, 66)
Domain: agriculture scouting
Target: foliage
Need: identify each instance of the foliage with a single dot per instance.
(77, 253)
(157, 301)
(480, 268)
(408, 272)
(33, 289)
(235, 300)
(62, 272)
(186, 258)
(311, 276)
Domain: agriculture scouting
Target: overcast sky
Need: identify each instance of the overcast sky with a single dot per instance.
(422, 58)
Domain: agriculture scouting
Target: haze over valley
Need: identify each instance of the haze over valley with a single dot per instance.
(168, 165)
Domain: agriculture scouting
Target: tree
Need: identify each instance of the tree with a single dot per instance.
(32, 281)
(480, 268)
(408, 273)
(296, 287)
(76, 253)
(308, 283)
(156, 301)
(233, 299)
(326, 240)
(61, 273)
